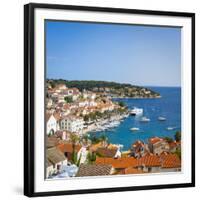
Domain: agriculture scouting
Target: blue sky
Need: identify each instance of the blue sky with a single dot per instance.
(139, 55)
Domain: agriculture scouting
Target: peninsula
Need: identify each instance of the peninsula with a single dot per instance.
(112, 89)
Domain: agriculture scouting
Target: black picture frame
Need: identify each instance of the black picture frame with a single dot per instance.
(29, 80)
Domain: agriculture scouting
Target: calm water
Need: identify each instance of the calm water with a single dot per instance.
(169, 106)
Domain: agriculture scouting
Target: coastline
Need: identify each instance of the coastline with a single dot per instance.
(105, 124)
(136, 97)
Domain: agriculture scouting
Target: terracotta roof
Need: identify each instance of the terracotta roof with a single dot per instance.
(94, 147)
(54, 155)
(149, 160)
(51, 141)
(155, 140)
(137, 146)
(56, 115)
(123, 162)
(170, 161)
(94, 170)
(174, 144)
(138, 143)
(68, 147)
(66, 106)
(105, 152)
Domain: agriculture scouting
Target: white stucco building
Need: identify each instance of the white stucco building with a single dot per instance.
(72, 123)
(52, 124)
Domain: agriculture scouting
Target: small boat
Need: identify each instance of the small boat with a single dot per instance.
(145, 119)
(161, 118)
(170, 128)
(136, 111)
(134, 129)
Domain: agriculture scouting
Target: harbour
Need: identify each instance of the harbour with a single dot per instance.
(161, 117)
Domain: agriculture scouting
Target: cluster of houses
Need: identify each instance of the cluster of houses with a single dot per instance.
(156, 156)
(66, 145)
(62, 114)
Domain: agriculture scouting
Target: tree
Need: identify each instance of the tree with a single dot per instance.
(85, 139)
(91, 157)
(86, 118)
(53, 85)
(178, 152)
(103, 139)
(94, 140)
(168, 139)
(122, 104)
(74, 157)
(178, 136)
(68, 99)
(74, 139)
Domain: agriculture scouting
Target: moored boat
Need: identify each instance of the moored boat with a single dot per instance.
(145, 119)
(170, 128)
(161, 118)
(136, 111)
(134, 129)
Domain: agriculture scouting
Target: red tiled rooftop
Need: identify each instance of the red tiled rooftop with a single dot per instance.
(170, 161)
(149, 161)
(124, 162)
(155, 140)
(68, 147)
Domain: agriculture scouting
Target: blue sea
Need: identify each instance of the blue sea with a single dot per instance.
(168, 106)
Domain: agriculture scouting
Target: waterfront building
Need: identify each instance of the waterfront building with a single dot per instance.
(158, 145)
(138, 149)
(72, 123)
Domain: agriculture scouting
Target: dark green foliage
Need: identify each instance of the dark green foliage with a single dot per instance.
(178, 153)
(91, 157)
(86, 118)
(93, 116)
(120, 89)
(74, 157)
(122, 104)
(68, 99)
(178, 136)
(94, 139)
(168, 139)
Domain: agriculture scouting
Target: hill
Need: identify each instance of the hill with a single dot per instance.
(112, 89)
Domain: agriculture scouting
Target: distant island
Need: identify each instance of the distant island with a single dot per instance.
(112, 89)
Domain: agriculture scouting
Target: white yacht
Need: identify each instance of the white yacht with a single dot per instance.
(170, 128)
(145, 119)
(134, 129)
(161, 118)
(136, 111)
